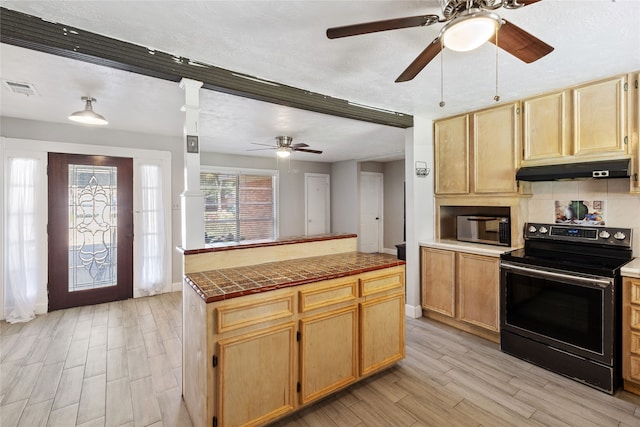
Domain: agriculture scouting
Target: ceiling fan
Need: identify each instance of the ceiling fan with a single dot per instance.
(469, 23)
(284, 147)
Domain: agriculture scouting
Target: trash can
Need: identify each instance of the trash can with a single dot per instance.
(402, 251)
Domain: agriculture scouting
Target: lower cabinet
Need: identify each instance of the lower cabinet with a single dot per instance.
(328, 352)
(462, 290)
(253, 359)
(255, 381)
(631, 334)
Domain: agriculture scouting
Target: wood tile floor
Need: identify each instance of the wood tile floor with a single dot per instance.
(119, 364)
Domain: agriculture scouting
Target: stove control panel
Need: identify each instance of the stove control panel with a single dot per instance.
(608, 236)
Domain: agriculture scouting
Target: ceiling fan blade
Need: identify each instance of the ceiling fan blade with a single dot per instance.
(528, 2)
(521, 44)
(298, 145)
(421, 61)
(260, 149)
(387, 24)
(266, 145)
(306, 150)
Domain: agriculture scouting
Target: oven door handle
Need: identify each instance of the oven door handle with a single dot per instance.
(603, 283)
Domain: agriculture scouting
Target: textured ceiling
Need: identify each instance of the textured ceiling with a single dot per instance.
(284, 41)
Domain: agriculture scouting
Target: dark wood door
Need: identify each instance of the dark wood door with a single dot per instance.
(90, 229)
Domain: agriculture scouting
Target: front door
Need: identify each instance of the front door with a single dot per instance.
(90, 229)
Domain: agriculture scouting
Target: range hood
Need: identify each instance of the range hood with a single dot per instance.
(600, 169)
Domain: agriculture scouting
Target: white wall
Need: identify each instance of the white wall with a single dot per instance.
(291, 189)
(345, 209)
(420, 206)
(621, 208)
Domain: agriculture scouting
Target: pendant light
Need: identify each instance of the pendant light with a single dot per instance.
(88, 116)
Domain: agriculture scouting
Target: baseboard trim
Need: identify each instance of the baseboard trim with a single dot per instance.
(413, 311)
(176, 287)
(390, 251)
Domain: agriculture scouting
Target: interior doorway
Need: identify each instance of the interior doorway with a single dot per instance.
(90, 229)
(371, 208)
(317, 204)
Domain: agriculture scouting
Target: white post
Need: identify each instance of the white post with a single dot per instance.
(192, 199)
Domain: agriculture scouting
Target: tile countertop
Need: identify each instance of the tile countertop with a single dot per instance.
(472, 248)
(217, 285)
(632, 269)
(216, 247)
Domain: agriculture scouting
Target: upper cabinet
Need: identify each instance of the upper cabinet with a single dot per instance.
(585, 122)
(452, 155)
(599, 117)
(495, 142)
(545, 124)
(477, 153)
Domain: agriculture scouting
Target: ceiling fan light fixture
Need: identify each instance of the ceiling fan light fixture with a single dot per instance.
(470, 30)
(88, 116)
(283, 152)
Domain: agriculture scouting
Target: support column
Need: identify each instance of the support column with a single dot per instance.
(192, 199)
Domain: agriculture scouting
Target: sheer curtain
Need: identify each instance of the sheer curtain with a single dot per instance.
(151, 237)
(23, 257)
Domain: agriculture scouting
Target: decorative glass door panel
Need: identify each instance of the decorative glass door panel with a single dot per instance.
(93, 226)
(90, 229)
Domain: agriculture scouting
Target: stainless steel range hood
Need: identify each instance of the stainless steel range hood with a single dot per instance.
(601, 169)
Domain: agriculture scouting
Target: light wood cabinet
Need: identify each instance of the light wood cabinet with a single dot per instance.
(495, 146)
(250, 360)
(478, 290)
(586, 122)
(381, 320)
(438, 279)
(631, 334)
(599, 117)
(452, 155)
(328, 352)
(256, 376)
(329, 316)
(546, 126)
(634, 140)
(462, 290)
(477, 153)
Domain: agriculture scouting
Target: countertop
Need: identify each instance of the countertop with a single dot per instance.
(472, 248)
(216, 247)
(632, 269)
(226, 283)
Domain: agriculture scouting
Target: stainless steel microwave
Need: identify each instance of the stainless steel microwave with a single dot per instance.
(493, 230)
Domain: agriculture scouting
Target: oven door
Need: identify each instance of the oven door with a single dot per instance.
(565, 310)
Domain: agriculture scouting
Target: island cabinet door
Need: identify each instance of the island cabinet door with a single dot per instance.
(381, 332)
(255, 381)
(328, 352)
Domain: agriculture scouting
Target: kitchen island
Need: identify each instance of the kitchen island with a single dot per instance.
(265, 339)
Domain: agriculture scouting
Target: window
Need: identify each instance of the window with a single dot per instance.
(238, 206)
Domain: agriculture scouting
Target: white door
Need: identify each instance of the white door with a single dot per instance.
(317, 210)
(370, 236)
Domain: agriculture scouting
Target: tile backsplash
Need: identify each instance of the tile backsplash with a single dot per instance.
(622, 208)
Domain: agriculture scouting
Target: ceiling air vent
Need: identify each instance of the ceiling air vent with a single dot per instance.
(20, 87)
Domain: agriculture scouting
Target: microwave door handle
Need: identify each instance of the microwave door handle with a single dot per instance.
(481, 218)
(603, 283)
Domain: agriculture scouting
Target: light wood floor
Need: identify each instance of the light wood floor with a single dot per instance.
(119, 364)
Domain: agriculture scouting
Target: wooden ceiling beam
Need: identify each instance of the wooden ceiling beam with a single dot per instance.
(34, 33)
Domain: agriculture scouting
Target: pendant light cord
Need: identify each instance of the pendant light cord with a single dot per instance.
(441, 73)
(497, 97)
